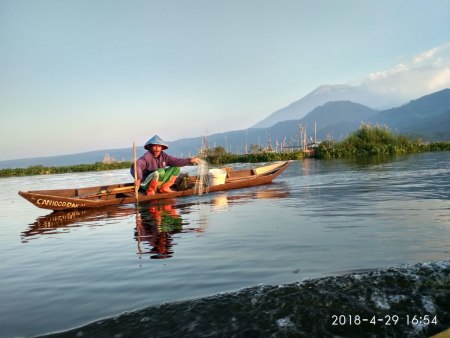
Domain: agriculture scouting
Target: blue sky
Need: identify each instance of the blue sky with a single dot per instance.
(85, 75)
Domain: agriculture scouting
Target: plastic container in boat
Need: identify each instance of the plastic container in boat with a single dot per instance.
(217, 176)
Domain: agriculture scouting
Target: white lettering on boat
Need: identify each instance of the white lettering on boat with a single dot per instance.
(53, 203)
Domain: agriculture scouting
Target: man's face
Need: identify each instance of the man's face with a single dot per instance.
(155, 149)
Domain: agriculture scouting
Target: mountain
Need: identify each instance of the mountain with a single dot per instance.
(338, 119)
(338, 112)
(416, 111)
(323, 120)
(239, 141)
(329, 93)
(432, 129)
(427, 117)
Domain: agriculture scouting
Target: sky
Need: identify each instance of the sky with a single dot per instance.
(83, 75)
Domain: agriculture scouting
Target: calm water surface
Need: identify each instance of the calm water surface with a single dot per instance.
(319, 218)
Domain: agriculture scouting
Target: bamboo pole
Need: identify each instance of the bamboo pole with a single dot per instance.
(136, 195)
(108, 192)
(136, 188)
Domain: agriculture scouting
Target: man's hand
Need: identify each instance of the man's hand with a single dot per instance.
(197, 160)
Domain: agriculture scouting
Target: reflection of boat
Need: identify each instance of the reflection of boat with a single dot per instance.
(60, 221)
(99, 196)
(279, 191)
(156, 221)
(66, 219)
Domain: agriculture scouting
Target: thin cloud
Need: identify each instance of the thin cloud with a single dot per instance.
(436, 54)
(426, 72)
(422, 57)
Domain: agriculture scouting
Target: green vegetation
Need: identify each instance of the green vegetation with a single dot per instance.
(375, 141)
(218, 156)
(366, 141)
(41, 170)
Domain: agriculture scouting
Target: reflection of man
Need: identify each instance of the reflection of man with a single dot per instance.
(158, 223)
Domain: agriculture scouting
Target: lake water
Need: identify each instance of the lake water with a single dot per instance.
(317, 219)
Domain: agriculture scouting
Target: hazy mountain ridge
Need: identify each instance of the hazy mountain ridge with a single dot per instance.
(419, 110)
(427, 117)
(330, 93)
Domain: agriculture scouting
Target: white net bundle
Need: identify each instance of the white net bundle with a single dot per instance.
(201, 184)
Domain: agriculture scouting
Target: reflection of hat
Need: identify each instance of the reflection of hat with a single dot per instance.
(156, 140)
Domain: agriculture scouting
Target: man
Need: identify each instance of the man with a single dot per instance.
(158, 169)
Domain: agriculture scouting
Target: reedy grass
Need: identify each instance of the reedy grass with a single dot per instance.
(376, 141)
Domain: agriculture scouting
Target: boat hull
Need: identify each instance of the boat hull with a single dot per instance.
(99, 196)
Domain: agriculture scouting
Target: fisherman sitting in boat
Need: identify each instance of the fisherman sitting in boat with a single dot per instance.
(156, 170)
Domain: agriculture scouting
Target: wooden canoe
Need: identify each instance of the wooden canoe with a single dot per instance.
(99, 196)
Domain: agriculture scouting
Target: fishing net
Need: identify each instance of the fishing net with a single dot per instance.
(201, 185)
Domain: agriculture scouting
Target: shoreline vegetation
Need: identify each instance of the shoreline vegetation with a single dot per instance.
(366, 141)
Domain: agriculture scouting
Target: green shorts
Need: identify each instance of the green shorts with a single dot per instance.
(163, 175)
